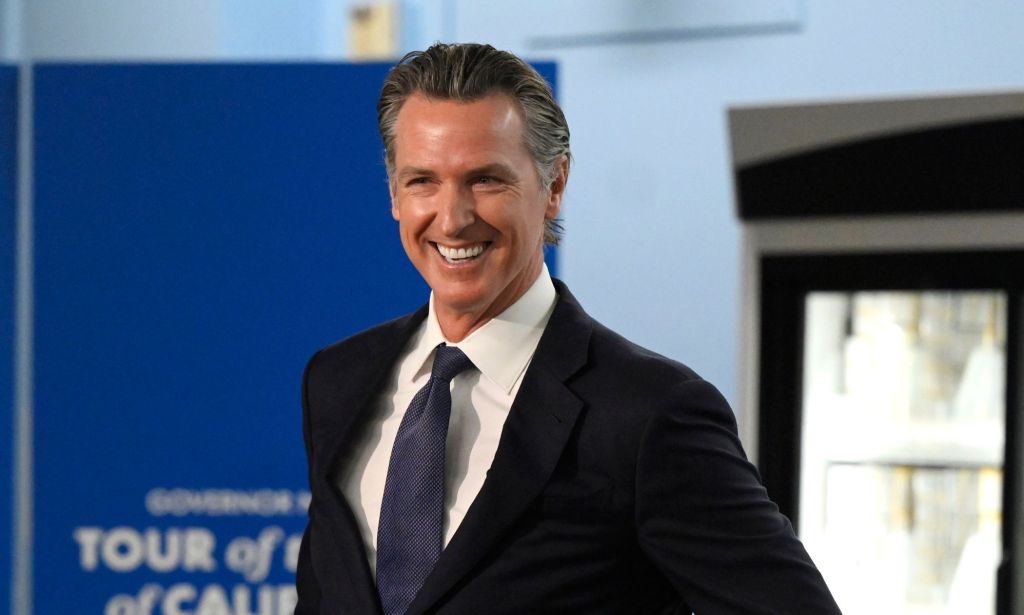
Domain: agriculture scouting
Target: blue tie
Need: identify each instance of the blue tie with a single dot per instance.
(409, 536)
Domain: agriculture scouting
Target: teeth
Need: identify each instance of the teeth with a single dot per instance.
(457, 254)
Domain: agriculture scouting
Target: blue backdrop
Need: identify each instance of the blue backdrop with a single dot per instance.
(8, 141)
(200, 231)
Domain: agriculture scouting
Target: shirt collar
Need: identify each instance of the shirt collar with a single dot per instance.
(501, 348)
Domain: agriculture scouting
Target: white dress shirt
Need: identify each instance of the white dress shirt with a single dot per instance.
(500, 350)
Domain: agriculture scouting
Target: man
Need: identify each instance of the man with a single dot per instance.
(499, 451)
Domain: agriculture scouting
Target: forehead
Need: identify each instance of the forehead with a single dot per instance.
(492, 123)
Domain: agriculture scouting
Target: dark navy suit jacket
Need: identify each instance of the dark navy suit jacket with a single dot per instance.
(619, 486)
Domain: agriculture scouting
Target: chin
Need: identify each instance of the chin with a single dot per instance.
(460, 301)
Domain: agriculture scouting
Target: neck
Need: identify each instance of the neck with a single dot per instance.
(456, 324)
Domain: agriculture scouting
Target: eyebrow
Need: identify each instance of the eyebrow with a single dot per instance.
(494, 168)
(413, 172)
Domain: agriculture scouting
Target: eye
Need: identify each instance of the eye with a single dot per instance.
(486, 179)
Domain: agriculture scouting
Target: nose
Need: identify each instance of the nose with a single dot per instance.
(456, 211)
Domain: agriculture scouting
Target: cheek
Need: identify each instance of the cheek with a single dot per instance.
(411, 216)
(407, 234)
(514, 217)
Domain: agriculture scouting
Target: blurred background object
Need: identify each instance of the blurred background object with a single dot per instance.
(374, 31)
(883, 251)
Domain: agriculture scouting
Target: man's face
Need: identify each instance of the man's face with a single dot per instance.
(470, 204)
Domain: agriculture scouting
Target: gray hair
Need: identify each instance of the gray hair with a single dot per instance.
(470, 71)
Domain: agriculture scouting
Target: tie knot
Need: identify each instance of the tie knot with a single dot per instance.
(448, 363)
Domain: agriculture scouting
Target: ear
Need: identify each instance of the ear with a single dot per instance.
(557, 189)
(394, 203)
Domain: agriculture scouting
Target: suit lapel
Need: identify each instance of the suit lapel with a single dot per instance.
(532, 440)
(358, 380)
(349, 404)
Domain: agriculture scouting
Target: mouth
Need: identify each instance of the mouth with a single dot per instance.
(463, 254)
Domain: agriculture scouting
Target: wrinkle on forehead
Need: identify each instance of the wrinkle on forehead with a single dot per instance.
(433, 118)
(426, 131)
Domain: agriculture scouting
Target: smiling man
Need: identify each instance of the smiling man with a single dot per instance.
(499, 451)
(470, 204)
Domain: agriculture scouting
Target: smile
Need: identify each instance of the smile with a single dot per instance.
(459, 255)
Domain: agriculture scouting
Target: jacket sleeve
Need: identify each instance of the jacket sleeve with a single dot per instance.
(705, 521)
(306, 585)
(308, 589)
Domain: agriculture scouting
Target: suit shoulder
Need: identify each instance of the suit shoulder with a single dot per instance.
(367, 344)
(626, 379)
(611, 350)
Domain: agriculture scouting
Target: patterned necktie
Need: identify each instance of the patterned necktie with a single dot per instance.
(412, 514)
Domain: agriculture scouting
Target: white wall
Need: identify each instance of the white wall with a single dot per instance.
(190, 30)
(119, 29)
(653, 242)
(10, 30)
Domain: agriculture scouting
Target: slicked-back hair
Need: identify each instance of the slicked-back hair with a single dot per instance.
(470, 71)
